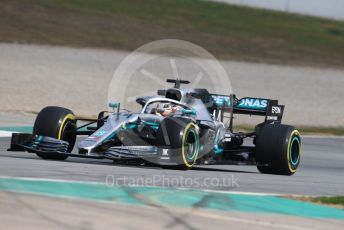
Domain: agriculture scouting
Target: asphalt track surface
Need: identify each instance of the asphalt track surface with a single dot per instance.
(320, 173)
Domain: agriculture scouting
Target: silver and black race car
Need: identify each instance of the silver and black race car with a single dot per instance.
(179, 128)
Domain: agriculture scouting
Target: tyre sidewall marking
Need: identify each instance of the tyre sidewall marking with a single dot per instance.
(65, 119)
(294, 133)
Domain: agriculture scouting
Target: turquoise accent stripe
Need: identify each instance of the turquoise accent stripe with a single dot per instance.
(151, 123)
(218, 150)
(19, 129)
(172, 198)
(189, 112)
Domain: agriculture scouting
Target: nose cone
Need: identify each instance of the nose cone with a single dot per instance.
(87, 143)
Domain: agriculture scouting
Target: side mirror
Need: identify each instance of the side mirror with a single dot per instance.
(115, 105)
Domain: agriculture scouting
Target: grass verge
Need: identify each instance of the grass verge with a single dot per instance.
(336, 201)
(229, 32)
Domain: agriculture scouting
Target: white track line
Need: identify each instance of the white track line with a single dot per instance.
(5, 133)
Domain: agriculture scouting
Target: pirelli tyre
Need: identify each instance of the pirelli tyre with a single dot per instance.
(278, 149)
(56, 122)
(182, 137)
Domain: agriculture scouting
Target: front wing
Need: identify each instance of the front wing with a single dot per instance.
(47, 146)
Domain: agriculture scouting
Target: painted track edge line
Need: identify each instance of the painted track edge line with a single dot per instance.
(157, 187)
(6, 133)
(203, 213)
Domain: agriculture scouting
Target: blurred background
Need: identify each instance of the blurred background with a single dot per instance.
(65, 52)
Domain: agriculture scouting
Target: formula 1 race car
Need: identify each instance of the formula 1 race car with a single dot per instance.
(177, 128)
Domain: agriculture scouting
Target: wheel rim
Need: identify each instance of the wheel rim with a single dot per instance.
(294, 151)
(190, 145)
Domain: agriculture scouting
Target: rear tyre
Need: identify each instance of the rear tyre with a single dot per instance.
(278, 149)
(56, 122)
(181, 135)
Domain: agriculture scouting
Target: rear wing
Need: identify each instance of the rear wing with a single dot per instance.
(272, 111)
(219, 105)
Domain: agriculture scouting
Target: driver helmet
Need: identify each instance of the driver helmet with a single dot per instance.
(164, 109)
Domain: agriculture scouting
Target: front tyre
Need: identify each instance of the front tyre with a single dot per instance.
(181, 135)
(59, 123)
(278, 149)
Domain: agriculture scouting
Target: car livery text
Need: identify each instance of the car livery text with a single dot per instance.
(252, 103)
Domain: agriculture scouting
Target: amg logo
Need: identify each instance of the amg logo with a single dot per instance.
(276, 110)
